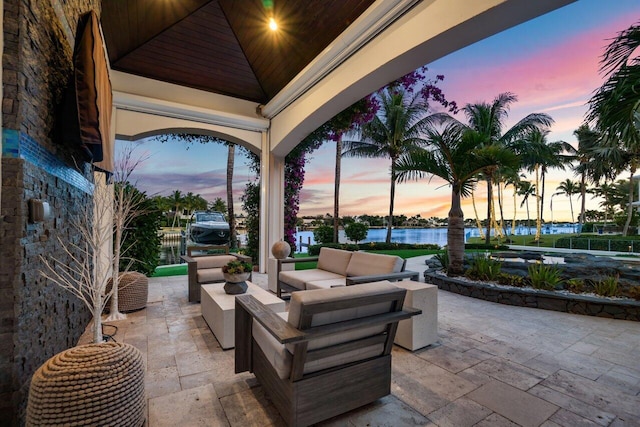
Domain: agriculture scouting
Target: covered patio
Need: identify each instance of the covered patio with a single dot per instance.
(216, 68)
(494, 365)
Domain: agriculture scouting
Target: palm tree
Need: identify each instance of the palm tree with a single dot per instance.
(615, 107)
(393, 132)
(526, 190)
(458, 159)
(177, 202)
(587, 167)
(486, 123)
(538, 156)
(569, 188)
(231, 152)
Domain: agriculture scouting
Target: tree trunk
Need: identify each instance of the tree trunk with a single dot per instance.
(571, 209)
(97, 320)
(515, 211)
(625, 231)
(232, 216)
(336, 190)
(487, 237)
(538, 212)
(475, 211)
(392, 198)
(583, 193)
(500, 205)
(528, 218)
(455, 235)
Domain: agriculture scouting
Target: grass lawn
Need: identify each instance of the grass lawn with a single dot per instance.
(172, 270)
(546, 240)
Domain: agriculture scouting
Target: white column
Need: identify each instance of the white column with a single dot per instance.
(271, 201)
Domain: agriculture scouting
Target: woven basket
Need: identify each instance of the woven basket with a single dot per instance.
(89, 385)
(133, 290)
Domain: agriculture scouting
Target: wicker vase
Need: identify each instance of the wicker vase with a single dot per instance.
(133, 290)
(93, 384)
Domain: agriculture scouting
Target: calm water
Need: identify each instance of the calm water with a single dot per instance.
(429, 235)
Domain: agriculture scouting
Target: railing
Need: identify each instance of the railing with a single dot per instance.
(173, 245)
(610, 245)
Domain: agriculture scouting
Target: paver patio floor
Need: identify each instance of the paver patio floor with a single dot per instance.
(494, 365)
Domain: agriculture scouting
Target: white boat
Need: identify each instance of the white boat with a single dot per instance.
(209, 228)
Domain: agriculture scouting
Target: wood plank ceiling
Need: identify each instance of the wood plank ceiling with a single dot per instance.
(223, 46)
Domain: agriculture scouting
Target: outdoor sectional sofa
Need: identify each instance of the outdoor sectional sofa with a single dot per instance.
(338, 267)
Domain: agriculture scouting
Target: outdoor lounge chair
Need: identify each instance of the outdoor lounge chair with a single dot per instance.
(332, 354)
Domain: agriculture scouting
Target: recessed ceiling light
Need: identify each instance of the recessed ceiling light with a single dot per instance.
(273, 25)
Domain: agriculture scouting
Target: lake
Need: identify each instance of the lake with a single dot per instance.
(429, 235)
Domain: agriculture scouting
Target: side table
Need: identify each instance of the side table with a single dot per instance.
(421, 330)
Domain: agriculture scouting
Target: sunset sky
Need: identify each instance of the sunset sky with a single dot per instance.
(550, 63)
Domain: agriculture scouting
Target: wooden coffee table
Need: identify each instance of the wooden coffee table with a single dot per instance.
(218, 309)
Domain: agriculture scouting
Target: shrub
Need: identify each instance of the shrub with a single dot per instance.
(314, 250)
(484, 268)
(607, 287)
(544, 276)
(323, 234)
(237, 267)
(511, 280)
(443, 258)
(141, 241)
(356, 231)
(634, 292)
(575, 285)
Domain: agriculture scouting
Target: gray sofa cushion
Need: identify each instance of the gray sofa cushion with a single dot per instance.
(334, 260)
(213, 261)
(298, 278)
(208, 275)
(326, 284)
(366, 264)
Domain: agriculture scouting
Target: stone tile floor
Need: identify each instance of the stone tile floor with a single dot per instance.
(494, 365)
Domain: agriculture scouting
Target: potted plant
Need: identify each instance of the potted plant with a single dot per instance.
(235, 275)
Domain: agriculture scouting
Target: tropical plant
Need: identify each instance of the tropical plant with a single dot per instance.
(483, 268)
(219, 205)
(575, 285)
(544, 276)
(393, 132)
(615, 107)
(526, 190)
(140, 241)
(511, 280)
(323, 234)
(356, 231)
(607, 287)
(237, 267)
(455, 156)
(568, 188)
(486, 123)
(177, 203)
(443, 259)
(538, 156)
(251, 205)
(588, 168)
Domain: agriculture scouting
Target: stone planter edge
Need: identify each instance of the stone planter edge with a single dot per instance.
(546, 300)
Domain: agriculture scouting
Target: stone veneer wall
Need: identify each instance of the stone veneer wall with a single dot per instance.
(37, 319)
